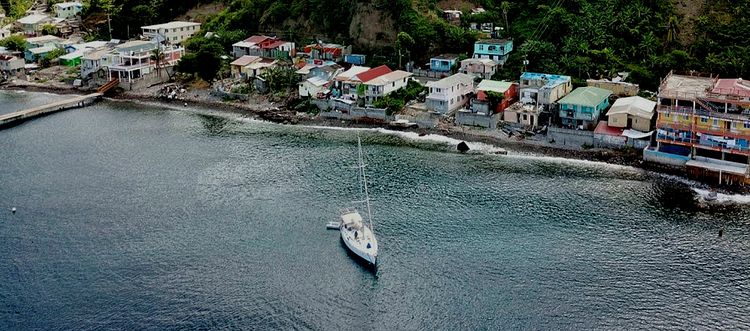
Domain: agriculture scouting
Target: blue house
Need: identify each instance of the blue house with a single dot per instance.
(357, 59)
(443, 63)
(493, 49)
(583, 106)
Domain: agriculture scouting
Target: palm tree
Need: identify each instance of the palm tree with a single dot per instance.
(157, 55)
(505, 6)
(672, 29)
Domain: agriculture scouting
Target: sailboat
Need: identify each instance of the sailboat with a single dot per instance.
(356, 232)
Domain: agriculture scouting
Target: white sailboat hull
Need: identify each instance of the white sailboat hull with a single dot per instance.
(360, 240)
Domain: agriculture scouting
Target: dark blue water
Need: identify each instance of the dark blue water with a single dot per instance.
(134, 218)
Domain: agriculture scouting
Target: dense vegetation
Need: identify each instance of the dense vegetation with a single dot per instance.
(582, 38)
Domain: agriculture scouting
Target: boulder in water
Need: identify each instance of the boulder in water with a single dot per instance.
(462, 147)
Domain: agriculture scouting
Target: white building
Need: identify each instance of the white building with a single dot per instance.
(10, 64)
(92, 62)
(65, 10)
(33, 23)
(132, 60)
(312, 86)
(383, 85)
(173, 32)
(483, 68)
(449, 93)
(4, 33)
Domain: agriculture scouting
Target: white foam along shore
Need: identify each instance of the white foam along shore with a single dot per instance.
(723, 198)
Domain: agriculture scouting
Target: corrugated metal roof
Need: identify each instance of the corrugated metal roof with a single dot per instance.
(635, 106)
(494, 86)
(373, 73)
(586, 96)
(453, 80)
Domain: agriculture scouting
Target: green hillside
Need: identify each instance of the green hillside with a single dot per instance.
(582, 38)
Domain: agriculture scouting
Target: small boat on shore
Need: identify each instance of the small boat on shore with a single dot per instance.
(333, 225)
(402, 124)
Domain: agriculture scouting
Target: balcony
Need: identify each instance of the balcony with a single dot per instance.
(673, 125)
(690, 111)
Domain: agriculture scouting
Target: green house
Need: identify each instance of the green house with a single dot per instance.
(583, 106)
(72, 59)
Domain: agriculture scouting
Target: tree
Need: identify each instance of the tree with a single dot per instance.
(14, 43)
(47, 59)
(505, 7)
(49, 29)
(157, 55)
(494, 99)
(404, 42)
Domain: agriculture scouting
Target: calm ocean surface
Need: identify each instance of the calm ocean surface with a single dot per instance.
(133, 218)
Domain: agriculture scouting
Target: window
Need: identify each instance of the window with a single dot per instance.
(746, 125)
(716, 122)
(685, 117)
(704, 120)
(525, 117)
(481, 47)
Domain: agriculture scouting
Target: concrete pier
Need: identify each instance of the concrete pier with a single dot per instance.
(20, 116)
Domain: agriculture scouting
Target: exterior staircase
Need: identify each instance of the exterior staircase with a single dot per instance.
(108, 86)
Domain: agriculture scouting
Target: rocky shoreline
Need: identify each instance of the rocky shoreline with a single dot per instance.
(262, 109)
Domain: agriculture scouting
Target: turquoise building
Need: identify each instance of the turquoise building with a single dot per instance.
(493, 49)
(443, 63)
(583, 106)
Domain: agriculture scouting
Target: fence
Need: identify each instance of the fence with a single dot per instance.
(429, 73)
(474, 119)
(358, 113)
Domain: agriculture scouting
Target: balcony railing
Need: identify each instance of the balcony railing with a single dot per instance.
(743, 117)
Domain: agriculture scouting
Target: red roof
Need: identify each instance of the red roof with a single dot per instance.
(373, 73)
(603, 128)
(256, 39)
(732, 86)
(481, 95)
(272, 44)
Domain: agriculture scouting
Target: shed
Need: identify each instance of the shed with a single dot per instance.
(632, 112)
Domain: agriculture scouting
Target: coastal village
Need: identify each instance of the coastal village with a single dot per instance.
(695, 123)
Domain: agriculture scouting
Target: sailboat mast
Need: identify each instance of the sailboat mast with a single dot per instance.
(364, 182)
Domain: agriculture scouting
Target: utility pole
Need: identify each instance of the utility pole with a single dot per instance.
(109, 25)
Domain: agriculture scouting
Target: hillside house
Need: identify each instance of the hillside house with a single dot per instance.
(443, 63)
(329, 52)
(40, 41)
(344, 85)
(132, 60)
(244, 47)
(494, 49)
(632, 113)
(319, 80)
(11, 65)
(172, 33)
(383, 85)
(450, 93)
(66, 10)
(537, 93)
(482, 68)
(543, 89)
(4, 33)
(237, 66)
(33, 23)
(356, 82)
(93, 61)
(482, 103)
(703, 125)
(34, 54)
(583, 107)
